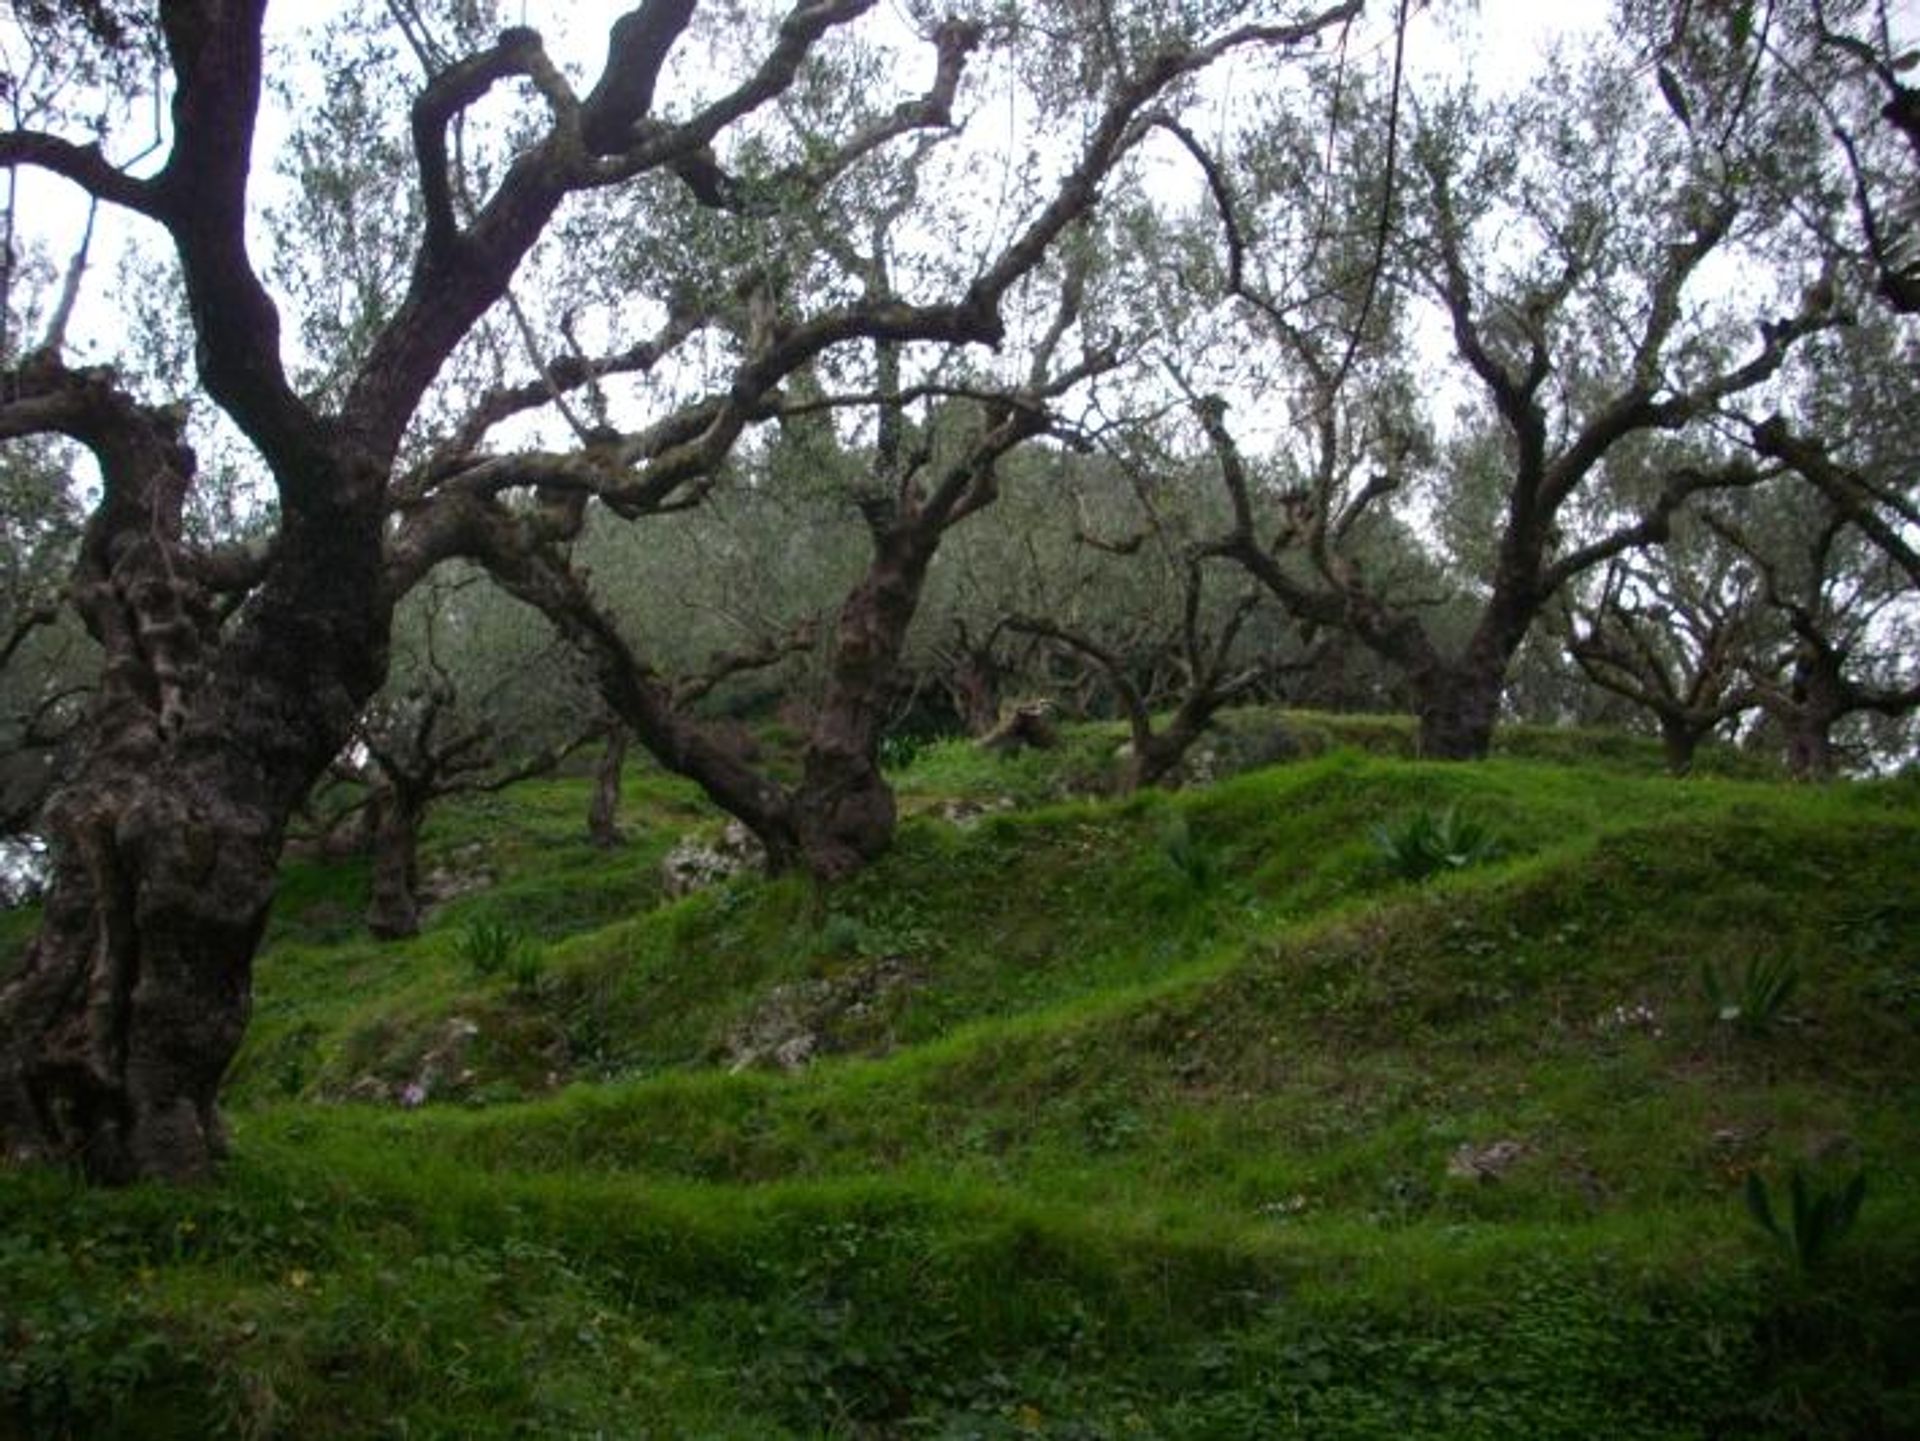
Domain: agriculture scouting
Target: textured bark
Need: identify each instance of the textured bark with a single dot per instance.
(603, 812)
(1458, 709)
(134, 996)
(843, 808)
(393, 909)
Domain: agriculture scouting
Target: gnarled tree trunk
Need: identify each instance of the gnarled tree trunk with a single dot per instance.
(134, 996)
(132, 999)
(843, 808)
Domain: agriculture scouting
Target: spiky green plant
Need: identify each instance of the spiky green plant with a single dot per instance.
(1752, 997)
(1187, 854)
(1816, 1218)
(1424, 844)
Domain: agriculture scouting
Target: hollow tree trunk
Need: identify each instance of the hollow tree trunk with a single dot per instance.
(603, 812)
(393, 909)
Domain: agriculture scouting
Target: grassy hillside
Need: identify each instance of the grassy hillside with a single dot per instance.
(1183, 1116)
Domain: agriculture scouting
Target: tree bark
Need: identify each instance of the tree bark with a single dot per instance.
(1679, 739)
(603, 812)
(843, 808)
(393, 911)
(1458, 708)
(202, 742)
(973, 683)
(134, 996)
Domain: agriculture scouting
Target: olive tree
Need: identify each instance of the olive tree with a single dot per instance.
(234, 675)
(1563, 241)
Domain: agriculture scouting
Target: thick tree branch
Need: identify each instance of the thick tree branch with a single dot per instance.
(84, 165)
(1653, 525)
(1847, 489)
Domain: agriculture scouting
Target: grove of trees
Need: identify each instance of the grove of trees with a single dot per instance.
(401, 399)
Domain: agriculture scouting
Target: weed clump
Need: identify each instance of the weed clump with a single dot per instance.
(1424, 844)
(493, 948)
(1815, 1220)
(1752, 998)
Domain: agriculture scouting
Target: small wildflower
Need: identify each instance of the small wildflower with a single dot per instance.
(299, 1279)
(414, 1094)
(1637, 1017)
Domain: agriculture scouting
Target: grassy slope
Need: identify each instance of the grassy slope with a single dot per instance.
(1153, 1141)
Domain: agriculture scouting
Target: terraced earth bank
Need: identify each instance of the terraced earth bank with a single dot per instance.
(1189, 1115)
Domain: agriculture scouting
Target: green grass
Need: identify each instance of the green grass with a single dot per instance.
(1155, 1136)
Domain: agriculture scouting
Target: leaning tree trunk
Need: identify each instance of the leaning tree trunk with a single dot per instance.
(134, 995)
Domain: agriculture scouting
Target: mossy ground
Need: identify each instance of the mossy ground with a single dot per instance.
(1152, 1139)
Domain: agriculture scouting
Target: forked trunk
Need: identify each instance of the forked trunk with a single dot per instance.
(1155, 757)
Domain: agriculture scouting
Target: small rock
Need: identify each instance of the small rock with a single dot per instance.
(969, 813)
(694, 866)
(795, 1024)
(1485, 1163)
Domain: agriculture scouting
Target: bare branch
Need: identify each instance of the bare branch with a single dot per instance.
(84, 165)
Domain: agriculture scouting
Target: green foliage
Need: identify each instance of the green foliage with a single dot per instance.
(1194, 861)
(1106, 1172)
(74, 1358)
(492, 948)
(1751, 997)
(1817, 1218)
(1424, 844)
